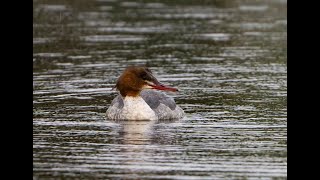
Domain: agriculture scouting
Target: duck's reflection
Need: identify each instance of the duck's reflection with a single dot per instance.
(136, 132)
(145, 132)
(141, 142)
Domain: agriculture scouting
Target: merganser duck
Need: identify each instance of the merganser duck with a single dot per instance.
(139, 101)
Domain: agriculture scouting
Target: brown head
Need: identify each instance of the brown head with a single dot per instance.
(134, 79)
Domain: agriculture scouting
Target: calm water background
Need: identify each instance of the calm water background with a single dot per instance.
(228, 58)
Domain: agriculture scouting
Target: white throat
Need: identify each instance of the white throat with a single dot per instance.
(135, 108)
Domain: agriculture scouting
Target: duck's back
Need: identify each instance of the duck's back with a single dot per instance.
(163, 105)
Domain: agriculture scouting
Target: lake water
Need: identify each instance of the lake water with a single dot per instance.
(227, 58)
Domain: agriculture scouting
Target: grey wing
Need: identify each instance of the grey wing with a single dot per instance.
(154, 98)
(114, 110)
(161, 103)
(117, 101)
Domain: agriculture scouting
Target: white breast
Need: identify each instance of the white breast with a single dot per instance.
(134, 108)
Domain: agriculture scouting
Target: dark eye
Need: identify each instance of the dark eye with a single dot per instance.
(144, 76)
(147, 69)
